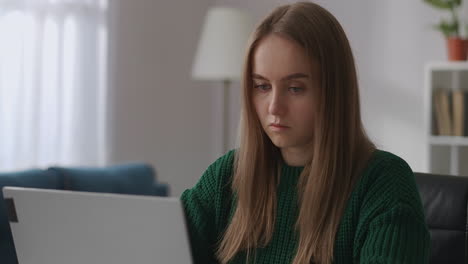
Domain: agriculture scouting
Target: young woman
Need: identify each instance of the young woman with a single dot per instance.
(306, 184)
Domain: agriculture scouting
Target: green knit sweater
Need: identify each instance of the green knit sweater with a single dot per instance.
(383, 221)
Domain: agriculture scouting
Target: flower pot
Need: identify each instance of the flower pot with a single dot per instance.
(457, 48)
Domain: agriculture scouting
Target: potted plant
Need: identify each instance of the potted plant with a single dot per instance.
(456, 45)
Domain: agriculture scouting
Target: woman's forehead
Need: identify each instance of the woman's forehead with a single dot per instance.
(276, 57)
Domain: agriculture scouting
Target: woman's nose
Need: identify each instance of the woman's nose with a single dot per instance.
(276, 104)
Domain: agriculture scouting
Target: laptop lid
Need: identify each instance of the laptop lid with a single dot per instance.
(66, 227)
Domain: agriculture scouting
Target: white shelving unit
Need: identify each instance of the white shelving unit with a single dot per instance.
(445, 154)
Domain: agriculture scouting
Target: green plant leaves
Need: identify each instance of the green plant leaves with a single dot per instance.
(448, 28)
(444, 4)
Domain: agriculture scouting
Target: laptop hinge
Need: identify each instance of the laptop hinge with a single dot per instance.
(11, 210)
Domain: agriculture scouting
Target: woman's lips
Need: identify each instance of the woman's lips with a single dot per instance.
(278, 127)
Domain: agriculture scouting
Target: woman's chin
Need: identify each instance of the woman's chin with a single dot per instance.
(280, 143)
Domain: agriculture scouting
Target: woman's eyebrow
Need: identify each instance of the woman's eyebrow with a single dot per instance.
(286, 78)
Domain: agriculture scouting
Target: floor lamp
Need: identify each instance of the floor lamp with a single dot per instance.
(220, 53)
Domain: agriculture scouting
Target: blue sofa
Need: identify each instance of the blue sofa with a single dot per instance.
(137, 179)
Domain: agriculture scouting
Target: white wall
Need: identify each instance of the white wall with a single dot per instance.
(158, 114)
(163, 117)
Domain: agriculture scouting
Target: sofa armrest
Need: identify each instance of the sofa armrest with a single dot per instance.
(161, 189)
(33, 178)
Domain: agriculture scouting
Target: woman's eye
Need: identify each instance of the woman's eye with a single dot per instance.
(295, 89)
(262, 87)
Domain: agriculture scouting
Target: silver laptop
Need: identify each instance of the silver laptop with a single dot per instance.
(65, 227)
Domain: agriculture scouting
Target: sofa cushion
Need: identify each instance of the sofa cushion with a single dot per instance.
(125, 179)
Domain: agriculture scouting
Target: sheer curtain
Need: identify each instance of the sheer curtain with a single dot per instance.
(53, 61)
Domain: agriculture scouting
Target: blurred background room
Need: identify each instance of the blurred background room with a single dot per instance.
(102, 82)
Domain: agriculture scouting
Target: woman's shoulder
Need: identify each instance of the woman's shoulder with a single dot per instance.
(224, 164)
(384, 163)
(213, 182)
(220, 171)
(388, 176)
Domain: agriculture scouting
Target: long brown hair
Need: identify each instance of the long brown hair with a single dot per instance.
(341, 147)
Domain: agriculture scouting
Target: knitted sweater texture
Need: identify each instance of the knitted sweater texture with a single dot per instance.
(383, 221)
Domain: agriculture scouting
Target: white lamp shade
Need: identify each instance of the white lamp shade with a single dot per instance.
(220, 52)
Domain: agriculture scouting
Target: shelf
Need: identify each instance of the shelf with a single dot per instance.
(448, 140)
(445, 154)
(448, 66)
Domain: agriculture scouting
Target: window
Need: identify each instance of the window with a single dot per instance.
(53, 86)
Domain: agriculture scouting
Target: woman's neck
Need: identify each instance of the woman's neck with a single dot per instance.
(297, 157)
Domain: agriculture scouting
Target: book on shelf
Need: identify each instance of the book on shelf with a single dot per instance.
(458, 112)
(437, 112)
(450, 112)
(465, 113)
(442, 110)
